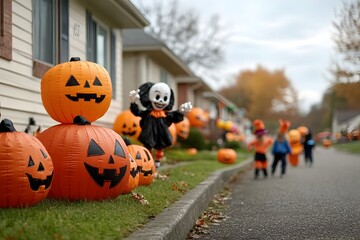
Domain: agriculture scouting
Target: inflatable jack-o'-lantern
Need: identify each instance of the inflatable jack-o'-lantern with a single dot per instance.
(133, 177)
(127, 124)
(183, 128)
(173, 133)
(26, 169)
(145, 163)
(76, 88)
(197, 117)
(226, 155)
(90, 162)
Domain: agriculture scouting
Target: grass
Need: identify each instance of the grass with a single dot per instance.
(352, 147)
(110, 219)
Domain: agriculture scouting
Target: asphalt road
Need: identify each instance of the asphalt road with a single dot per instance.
(318, 202)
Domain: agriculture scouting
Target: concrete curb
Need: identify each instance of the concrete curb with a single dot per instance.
(176, 221)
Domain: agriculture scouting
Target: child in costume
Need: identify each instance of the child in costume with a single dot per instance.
(153, 102)
(309, 145)
(261, 145)
(281, 148)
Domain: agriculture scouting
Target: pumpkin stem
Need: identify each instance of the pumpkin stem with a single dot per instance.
(74, 59)
(80, 120)
(6, 125)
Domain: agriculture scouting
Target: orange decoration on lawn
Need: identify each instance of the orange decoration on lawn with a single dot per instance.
(226, 155)
(197, 117)
(145, 163)
(76, 88)
(173, 133)
(127, 124)
(26, 169)
(90, 162)
(133, 177)
(183, 128)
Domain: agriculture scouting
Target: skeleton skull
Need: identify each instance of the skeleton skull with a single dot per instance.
(159, 96)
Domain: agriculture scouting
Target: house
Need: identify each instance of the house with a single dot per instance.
(146, 59)
(346, 121)
(40, 34)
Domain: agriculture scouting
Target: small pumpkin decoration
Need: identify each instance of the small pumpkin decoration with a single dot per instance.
(133, 177)
(326, 143)
(183, 128)
(197, 117)
(26, 169)
(91, 162)
(127, 124)
(226, 155)
(145, 163)
(191, 151)
(76, 88)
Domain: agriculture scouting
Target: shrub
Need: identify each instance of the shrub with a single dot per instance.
(195, 140)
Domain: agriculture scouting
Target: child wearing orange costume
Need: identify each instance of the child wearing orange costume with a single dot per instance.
(261, 145)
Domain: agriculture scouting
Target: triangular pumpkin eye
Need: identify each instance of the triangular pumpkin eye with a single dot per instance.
(147, 154)
(72, 82)
(119, 151)
(138, 156)
(43, 153)
(97, 82)
(31, 162)
(94, 149)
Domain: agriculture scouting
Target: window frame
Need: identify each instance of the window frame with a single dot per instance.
(6, 29)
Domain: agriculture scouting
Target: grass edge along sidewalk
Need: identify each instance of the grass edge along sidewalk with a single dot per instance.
(176, 221)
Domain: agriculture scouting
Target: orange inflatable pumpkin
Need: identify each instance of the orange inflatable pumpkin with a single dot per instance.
(145, 163)
(76, 88)
(127, 124)
(90, 162)
(192, 151)
(183, 128)
(26, 169)
(197, 117)
(226, 155)
(133, 177)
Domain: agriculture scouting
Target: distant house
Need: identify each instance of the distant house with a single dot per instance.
(346, 121)
(146, 59)
(40, 34)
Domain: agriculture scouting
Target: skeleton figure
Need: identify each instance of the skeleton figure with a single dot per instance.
(153, 102)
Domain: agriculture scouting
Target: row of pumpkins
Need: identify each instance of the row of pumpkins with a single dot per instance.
(73, 160)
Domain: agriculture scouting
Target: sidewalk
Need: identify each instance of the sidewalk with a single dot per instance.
(176, 221)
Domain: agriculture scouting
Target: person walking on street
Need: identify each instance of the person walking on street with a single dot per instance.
(309, 145)
(281, 148)
(260, 144)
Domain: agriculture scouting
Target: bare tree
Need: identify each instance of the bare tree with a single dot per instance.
(347, 39)
(199, 46)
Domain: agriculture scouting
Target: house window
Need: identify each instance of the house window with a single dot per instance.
(164, 76)
(50, 34)
(6, 29)
(101, 47)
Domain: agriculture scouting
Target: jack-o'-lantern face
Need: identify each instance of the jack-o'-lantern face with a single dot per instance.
(133, 177)
(26, 169)
(197, 117)
(127, 124)
(107, 171)
(76, 88)
(145, 163)
(91, 162)
(183, 128)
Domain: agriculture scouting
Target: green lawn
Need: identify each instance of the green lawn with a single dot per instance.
(353, 147)
(110, 219)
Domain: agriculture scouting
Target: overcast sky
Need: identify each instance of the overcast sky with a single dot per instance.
(276, 34)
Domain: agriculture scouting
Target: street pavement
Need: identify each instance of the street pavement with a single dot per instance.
(318, 202)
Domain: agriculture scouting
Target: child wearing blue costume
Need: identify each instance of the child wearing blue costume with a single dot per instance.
(280, 149)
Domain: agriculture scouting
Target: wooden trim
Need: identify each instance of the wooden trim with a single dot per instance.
(40, 68)
(6, 29)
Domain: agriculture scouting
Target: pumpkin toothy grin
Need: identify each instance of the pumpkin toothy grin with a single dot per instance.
(146, 173)
(35, 183)
(134, 172)
(108, 175)
(86, 96)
